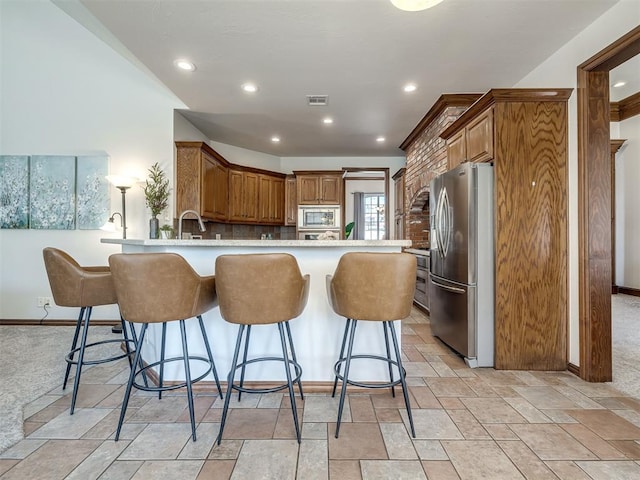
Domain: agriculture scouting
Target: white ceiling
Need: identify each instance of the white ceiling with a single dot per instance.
(359, 52)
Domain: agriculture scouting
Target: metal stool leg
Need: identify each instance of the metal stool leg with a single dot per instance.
(134, 336)
(208, 347)
(287, 370)
(386, 343)
(74, 343)
(125, 336)
(187, 374)
(344, 342)
(164, 340)
(132, 376)
(343, 392)
(293, 356)
(405, 391)
(244, 360)
(83, 344)
(232, 372)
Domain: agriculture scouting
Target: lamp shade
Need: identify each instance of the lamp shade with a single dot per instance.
(414, 5)
(120, 181)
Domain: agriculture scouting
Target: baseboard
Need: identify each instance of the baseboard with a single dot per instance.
(572, 368)
(629, 291)
(54, 322)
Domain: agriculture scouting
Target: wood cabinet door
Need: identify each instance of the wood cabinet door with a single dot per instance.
(220, 191)
(215, 187)
(330, 190)
(236, 196)
(399, 195)
(264, 199)
(456, 150)
(250, 190)
(480, 138)
(291, 201)
(277, 200)
(308, 190)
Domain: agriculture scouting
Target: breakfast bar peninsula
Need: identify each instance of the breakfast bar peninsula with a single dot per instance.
(317, 333)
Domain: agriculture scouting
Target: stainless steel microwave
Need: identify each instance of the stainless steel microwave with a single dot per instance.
(319, 217)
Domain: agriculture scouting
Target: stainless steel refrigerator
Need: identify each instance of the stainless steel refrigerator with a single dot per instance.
(462, 261)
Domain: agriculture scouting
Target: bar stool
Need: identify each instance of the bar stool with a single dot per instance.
(374, 287)
(261, 289)
(160, 288)
(84, 287)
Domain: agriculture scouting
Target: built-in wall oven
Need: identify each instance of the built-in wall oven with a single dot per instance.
(321, 217)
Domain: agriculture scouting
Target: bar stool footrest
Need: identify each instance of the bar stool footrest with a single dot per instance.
(296, 365)
(164, 388)
(336, 370)
(113, 358)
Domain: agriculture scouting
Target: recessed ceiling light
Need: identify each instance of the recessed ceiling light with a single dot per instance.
(414, 5)
(619, 84)
(250, 87)
(185, 65)
(380, 139)
(327, 120)
(410, 87)
(275, 139)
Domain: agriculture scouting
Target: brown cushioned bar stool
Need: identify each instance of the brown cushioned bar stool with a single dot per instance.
(261, 289)
(84, 287)
(160, 288)
(374, 287)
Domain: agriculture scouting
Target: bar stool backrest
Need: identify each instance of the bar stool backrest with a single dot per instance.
(159, 287)
(76, 286)
(260, 288)
(373, 286)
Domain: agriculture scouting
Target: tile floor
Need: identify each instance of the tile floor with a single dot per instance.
(470, 424)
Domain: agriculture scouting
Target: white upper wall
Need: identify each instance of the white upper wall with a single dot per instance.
(65, 92)
(559, 71)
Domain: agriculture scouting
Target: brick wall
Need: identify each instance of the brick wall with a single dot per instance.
(426, 158)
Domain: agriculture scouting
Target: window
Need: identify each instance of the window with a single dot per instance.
(374, 216)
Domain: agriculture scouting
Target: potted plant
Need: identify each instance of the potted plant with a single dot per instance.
(166, 231)
(156, 192)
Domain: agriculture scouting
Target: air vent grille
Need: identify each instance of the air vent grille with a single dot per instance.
(317, 100)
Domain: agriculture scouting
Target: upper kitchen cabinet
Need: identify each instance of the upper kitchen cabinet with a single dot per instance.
(243, 196)
(290, 201)
(201, 181)
(319, 187)
(473, 143)
(524, 133)
(270, 199)
(399, 194)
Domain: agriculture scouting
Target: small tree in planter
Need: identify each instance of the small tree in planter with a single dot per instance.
(156, 192)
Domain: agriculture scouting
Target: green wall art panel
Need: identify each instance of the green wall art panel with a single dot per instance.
(14, 191)
(92, 192)
(54, 192)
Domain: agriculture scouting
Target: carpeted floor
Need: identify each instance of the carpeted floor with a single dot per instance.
(31, 364)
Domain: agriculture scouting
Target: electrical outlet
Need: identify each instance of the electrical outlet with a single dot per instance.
(45, 301)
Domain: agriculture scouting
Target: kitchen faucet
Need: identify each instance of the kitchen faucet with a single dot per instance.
(202, 228)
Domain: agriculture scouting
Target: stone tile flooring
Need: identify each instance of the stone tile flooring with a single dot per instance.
(470, 424)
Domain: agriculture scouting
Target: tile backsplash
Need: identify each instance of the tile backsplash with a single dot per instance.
(238, 232)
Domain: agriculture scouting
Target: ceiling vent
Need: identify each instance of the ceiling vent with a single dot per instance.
(317, 100)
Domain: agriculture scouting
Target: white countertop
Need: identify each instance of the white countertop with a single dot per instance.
(418, 251)
(259, 243)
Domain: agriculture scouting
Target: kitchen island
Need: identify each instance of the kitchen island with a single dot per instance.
(317, 333)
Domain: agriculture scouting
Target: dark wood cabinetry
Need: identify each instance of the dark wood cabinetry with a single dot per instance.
(224, 192)
(290, 201)
(399, 210)
(319, 188)
(524, 132)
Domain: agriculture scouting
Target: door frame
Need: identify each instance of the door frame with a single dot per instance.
(594, 206)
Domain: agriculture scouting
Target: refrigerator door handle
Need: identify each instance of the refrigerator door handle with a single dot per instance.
(447, 287)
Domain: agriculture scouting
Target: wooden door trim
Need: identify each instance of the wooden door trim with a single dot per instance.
(594, 209)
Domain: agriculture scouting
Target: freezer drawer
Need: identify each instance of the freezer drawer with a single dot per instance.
(452, 310)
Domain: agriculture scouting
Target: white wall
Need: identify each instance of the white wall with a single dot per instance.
(627, 201)
(64, 91)
(559, 71)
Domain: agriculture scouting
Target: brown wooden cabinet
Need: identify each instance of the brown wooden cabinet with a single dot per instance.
(524, 132)
(319, 188)
(474, 143)
(243, 196)
(399, 198)
(270, 200)
(201, 181)
(290, 201)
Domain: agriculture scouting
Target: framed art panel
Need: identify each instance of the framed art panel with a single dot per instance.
(92, 192)
(52, 192)
(14, 191)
